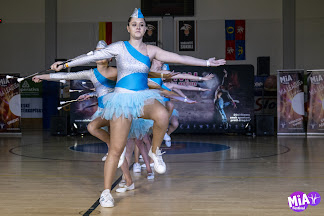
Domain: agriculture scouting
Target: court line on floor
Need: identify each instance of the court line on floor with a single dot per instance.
(208, 161)
(96, 203)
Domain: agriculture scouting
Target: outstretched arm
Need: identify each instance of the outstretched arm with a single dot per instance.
(171, 57)
(162, 74)
(110, 51)
(87, 96)
(192, 77)
(180, 92)
(81, 75)
(182, 87)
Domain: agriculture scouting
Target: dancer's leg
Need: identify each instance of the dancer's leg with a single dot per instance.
(160, 115)
(148, 144)
(95, 129)
(136, 153)
(126, 174)
(119, 129)
(144, 152)
(170, 106)
(174, 123)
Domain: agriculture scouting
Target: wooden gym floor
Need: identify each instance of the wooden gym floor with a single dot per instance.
(40, 175)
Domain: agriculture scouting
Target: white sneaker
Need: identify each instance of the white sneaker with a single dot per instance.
(140, 159)
(159, 165)
(137, 168)
(150, 176)
(168, 143)
(125, 188)
(144, 165)
(167, 137)
(106, 200)
(122, 183)
(104, 157)
(122, 158)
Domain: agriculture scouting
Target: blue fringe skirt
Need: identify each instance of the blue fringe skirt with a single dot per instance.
(140, 127)
(128, 104)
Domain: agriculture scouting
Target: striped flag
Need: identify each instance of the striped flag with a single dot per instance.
(105, 31)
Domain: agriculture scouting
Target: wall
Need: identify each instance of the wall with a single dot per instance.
(309, 34)
(22, 33)
(22, 36)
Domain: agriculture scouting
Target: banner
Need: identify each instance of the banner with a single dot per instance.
(105, 32)
(151, 36)
(226, 108)
(315, 124)
(290, 102)
(31, 99)
(82, 111)
(265, 95)
(235, 39)
(10, 108)
(187, 35)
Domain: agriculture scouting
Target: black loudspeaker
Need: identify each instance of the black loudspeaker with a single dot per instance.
(264, 125)
(59, 125)
(263, 66)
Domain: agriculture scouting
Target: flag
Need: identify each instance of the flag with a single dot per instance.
(105, 32)
(235, 39)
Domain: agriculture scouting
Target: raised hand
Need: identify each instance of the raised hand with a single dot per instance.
(37, 79)
(214, 63)
(189, 101)
(84, 97)
(56, 66)
(208, 77)
(170, 74)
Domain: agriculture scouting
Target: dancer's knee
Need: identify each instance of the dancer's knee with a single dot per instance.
(116, 151)
(91, 127)
(162, 117)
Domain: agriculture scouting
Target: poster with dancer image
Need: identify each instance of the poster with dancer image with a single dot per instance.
(151, 36)
(315, 81)
(227, 107)
(10, 105)
(290, 104)
(82, 111)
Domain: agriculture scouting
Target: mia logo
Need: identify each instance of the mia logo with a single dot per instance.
(299, 201)
(316, 79)
(285, 79)
(4, 82)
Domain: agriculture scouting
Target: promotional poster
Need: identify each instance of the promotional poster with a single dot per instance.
(151, 36)
(315, 125)
(290, 96)
(10, 105)
(31, 99)
(82, 111)
(187, 41)
(228, 105)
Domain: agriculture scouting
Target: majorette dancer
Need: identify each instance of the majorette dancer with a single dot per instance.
(132, 98)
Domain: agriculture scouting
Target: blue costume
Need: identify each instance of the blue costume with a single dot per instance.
(160, 83)
(131, 90)
(102, 85)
